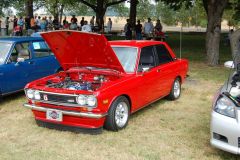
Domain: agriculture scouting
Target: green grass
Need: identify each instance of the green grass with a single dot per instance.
(165, 130)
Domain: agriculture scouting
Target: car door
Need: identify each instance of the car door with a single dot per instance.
(148, 74)
(166, 67)
(45, 61)
(15, 75)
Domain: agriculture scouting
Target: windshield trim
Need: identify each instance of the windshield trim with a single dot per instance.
(136, 63)
(9, 51)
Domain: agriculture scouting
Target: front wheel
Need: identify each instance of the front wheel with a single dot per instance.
(118, 114)
(176, 90)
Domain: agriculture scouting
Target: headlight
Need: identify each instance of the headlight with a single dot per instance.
(91, 101)
(225, 106)
(30, 93)
(37, 95)
(85, 100)
(82, 100)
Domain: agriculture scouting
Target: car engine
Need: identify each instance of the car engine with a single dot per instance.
(78, 84)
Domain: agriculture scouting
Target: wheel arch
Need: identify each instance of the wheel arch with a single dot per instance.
(128, 98)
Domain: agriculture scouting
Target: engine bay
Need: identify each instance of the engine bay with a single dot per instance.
(79, 81)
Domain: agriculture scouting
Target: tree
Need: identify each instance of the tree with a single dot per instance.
(100, 7)
(5, 4)
(214, 10)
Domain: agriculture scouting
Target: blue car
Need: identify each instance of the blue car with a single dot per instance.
(23, 60)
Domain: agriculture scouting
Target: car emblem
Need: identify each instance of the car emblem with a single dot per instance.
(54, 115)
(45, 97)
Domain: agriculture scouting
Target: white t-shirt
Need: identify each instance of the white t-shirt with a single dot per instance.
(86, 28)
(148, 27)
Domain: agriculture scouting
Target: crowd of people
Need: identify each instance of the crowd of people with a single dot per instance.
(148, 30)
(41, 24)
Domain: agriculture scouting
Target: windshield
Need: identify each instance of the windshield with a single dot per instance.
(4, 49)
(127, 57)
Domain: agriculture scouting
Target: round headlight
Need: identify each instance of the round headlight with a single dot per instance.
(82, 100)
(225, 106)
(91, 101)
(30, 93)
(37, 95)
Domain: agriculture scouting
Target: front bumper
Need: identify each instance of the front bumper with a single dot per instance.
(225, 133)
(86, 120)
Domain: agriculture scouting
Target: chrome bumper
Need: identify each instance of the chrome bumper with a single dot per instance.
(69, 113)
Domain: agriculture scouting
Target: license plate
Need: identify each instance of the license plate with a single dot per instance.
(54, 115)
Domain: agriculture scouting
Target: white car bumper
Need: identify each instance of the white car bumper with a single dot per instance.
(225, 132)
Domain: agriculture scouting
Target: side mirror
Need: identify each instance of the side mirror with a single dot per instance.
(145, 69)
(229, 64)
(19, 60)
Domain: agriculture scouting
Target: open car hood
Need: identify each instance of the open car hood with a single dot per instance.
(79, 49)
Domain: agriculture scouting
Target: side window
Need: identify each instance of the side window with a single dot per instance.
(163, 54)
(147, 59)
(41, 49)
(20, 50)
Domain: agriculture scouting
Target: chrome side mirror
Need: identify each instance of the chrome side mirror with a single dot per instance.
(229, 64)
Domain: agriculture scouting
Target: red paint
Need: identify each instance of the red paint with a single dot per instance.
(141, 88)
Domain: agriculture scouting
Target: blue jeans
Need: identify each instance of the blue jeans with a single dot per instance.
(138, 36)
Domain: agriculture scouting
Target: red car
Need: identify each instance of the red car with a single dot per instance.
(103, 82)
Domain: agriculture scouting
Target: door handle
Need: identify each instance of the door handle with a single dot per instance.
(31, 62)
(158, 70)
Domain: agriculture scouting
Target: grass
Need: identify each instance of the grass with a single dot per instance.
(165, 130)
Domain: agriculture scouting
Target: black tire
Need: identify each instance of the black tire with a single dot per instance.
(110, 122)
(173, 95)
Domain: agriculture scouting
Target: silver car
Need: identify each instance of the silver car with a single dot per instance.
(225, 117)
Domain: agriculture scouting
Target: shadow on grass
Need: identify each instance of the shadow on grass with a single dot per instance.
(6, 99)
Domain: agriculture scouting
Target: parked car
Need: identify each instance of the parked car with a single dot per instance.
(103, 82)
(225, 126)
(23, 60)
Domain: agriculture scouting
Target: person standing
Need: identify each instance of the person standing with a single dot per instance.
(109, 25)
(7, 24)
(73, 19)
(138, 29)
(28, 25)
(92, 21)
(43, 24)
(148, 29)
(128, 30)
(15, 22)
(50, 23)
(55, 24)
(20, 23)
(82, 22)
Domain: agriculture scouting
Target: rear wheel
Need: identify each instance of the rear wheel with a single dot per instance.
(118, 114)
(176, 90)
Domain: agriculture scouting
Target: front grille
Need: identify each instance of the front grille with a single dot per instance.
(58, 99)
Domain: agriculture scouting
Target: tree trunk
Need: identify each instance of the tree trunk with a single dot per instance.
(100, 13)
(214, 10)
(61, 14)
(55, 10)
(133, 12)
(29, 8)
(234, 39)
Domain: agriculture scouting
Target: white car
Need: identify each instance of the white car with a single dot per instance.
(225, 117)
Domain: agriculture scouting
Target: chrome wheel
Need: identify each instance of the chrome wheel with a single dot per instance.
(176, 89)
(121, 114)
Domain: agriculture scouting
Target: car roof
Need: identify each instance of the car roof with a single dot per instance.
(19, 39)
(135, 43)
